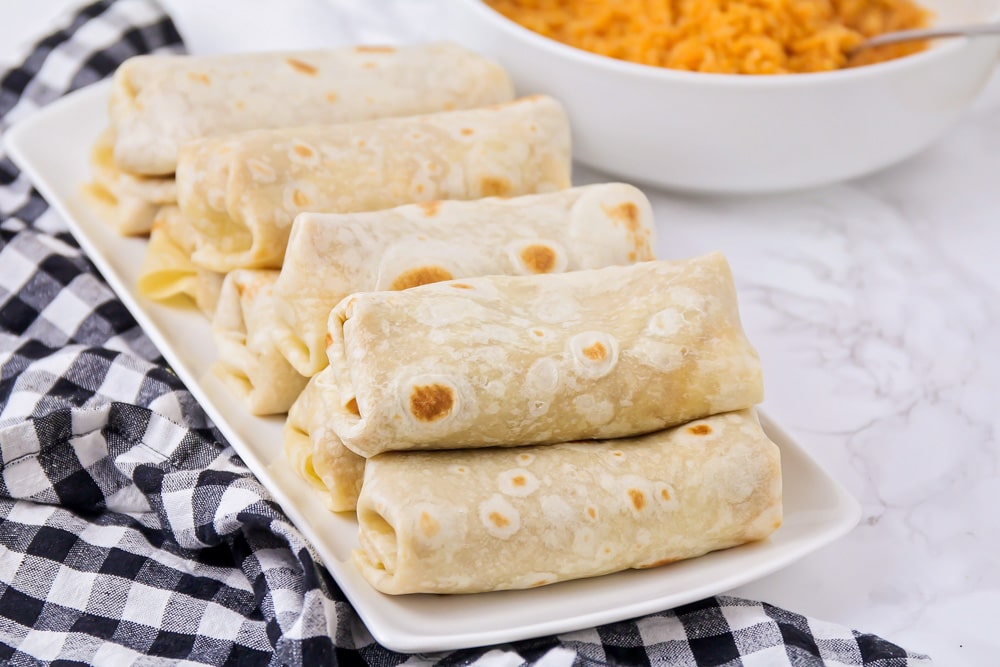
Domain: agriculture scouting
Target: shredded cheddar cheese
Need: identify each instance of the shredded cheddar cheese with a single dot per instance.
(724, 36)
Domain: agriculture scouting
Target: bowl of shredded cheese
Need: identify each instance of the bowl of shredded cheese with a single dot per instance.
(739, 96)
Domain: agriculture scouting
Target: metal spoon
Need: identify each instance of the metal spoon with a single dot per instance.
(928, 33)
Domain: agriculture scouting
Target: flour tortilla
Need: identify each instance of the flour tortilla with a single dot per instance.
(470, 521)
(167, 272)
(248, 361)
(129, 203)
(241, 192)
(159, 102)
(333, 255)
(518, 360)
(315, 451)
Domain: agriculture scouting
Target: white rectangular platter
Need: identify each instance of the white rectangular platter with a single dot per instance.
(52, 146)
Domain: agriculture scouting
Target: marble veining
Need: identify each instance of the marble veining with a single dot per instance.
(874, 307)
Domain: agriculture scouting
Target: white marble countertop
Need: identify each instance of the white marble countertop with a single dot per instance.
(875, 306)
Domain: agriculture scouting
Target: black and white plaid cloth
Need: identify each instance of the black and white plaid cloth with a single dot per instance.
(131, 533)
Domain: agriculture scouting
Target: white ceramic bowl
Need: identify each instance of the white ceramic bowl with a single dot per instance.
(744, 134)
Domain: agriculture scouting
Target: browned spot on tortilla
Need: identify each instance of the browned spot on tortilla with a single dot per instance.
(422, 275)
(430, 207)
(361, 143)
(538, 258)
(607, 550)
(374, 48)
(419, 188)
(352, 406)
(627, 213)
(591, 512)
(461, 286)
(618, 453)
(250, 291)
(303, 151)
(448, 106)
(518, 480)
(240, 104)
(369, 64)
(467, 131)
(331, 97)
(538, 332)
(302, 67)
(595, 352)
(129, 87)
(460, 468)
(329, 340)
(536, 584)
(533, 128)
(431, 402)
(499, 520)
(700, 429)
(644, 252)
(638, 498)
(300, 198)
(428, 525)
(200, 77)
(664, 494)
(494, 186)
(658, 563)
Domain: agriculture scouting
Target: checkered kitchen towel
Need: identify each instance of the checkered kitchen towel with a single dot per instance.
(130, 533)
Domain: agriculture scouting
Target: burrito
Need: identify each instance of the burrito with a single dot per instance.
(316, 453)
(248, 361)
(242, 191)
(333, 255)
(167, 271)
(128, 202)
(159, 102)
(470, 521)
(519, 360)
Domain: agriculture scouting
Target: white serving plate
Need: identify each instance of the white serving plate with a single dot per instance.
(52, 147)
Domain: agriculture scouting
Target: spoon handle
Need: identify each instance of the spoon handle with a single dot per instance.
(931, 33)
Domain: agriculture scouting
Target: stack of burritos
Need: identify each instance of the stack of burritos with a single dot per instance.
(486, 364)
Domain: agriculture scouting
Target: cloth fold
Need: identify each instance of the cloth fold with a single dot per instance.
(131, 533)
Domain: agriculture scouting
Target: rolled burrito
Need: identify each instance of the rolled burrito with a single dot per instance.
(517, 360)
(167, 272)
(159, 102)
(470, 521)
(128, 202)
(248, 361)
(316, 453)
(333, 255)
(242, 191)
